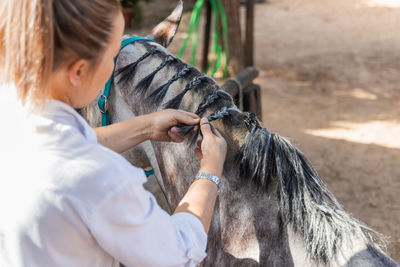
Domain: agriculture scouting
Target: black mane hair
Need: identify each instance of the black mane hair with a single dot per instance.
(145, 83)
(305, 202)
(126, 73)
(158, 95)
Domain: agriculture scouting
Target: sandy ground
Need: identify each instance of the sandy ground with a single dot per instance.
(330, 78)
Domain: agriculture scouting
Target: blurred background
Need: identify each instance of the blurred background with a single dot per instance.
(329, 73)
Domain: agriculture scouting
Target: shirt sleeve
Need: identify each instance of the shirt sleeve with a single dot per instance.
(131, 227)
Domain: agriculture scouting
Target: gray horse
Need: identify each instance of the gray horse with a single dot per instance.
(274, 209)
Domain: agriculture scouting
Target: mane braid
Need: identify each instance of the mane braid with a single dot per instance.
(158, 95)
(129, 70)
(304, 201)
(222, 113)
(219, 114)
(145, 83)
(208, 101)
(176, 101)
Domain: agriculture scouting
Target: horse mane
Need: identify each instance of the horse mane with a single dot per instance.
(305, 203)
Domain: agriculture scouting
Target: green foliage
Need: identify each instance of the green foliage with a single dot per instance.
(218, 38)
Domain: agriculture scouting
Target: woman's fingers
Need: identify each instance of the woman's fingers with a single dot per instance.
(213, 148)
(188, 118)
(205, 127)
(194, 116)
(165, 125)
(209, 127)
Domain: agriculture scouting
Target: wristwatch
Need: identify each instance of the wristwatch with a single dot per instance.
(211, 177)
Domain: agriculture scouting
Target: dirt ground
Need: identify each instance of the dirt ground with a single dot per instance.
(330, 78)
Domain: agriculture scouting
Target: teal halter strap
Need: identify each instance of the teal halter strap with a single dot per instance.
(149, 172)
(103, 100)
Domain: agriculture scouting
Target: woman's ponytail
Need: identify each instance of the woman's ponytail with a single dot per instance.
(27, 46)
(39, 36)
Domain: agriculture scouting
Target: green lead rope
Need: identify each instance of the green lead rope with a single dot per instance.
(218, 10)
(194, 19)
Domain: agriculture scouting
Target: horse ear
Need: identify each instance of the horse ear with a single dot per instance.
(164, 32)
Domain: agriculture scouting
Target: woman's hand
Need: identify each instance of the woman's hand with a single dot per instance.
(211, 149)
(163, 124)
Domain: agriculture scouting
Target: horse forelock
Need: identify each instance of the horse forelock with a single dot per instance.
(305, 204)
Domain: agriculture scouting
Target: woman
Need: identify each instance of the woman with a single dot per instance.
(66, 197)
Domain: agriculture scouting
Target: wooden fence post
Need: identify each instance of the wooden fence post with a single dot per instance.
(236, 54)
(249, 40)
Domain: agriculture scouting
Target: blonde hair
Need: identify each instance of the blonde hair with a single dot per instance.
(39, 36)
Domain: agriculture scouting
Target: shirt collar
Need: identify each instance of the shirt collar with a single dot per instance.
(63, 113)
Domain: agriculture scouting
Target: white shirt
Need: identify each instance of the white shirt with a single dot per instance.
(66, 200)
